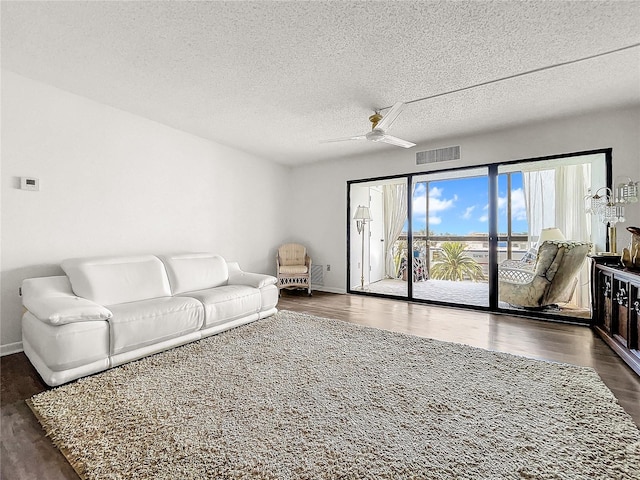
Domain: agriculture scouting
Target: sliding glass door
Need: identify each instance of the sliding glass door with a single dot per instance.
(450, 237)
(471, 237)
(377, 251)
(548, 204)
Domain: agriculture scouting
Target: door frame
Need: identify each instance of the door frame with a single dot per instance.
(493, 232)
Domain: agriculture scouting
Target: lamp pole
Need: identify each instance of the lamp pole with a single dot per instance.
(361, 224)
(361, 217)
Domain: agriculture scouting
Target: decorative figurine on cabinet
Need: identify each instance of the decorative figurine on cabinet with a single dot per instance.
(631, 256)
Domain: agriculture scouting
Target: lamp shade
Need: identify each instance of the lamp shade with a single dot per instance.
(362, 213)
(548, 234)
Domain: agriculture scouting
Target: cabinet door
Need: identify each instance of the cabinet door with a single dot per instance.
(620, 326)
(603, 300)
(634, 317)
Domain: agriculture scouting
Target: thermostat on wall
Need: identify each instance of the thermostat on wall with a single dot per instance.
(29, 183)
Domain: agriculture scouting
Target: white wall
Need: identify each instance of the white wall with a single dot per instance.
(116, 183)
(323, 199)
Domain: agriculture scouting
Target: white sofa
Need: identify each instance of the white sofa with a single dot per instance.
(107, 311)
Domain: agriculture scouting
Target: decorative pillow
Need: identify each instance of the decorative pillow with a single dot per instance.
(530, 256)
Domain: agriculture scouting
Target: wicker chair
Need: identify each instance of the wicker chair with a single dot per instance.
(550, 280)
(293, 267)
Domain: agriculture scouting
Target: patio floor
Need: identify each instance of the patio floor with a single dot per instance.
(462, 293)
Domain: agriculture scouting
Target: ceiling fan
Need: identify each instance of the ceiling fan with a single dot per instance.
(379, 126)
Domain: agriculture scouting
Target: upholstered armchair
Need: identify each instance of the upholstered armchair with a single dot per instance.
(551, 279)
(293, 267)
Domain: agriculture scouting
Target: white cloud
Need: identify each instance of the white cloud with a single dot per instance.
(420, 189)
(518, 205)
(436, 202)
(435, 220)
(467, 213)
(483, 218)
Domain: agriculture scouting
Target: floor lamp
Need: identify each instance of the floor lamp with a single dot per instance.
(361, 217)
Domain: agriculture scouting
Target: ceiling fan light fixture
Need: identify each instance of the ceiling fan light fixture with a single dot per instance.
(375, 135)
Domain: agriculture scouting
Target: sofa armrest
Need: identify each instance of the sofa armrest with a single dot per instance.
(51, 300)
(256, 280)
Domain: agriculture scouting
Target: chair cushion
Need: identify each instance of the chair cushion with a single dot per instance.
(292, 254)
(290, 269)
(195, 271)
(113, 280)
(138, 324)
(226, 303)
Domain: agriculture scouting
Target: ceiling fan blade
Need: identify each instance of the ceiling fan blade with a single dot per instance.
(390, 117)
(391, 140)
(344, 139)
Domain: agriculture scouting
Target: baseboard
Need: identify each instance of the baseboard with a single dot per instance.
(10, 348)
(328, 289)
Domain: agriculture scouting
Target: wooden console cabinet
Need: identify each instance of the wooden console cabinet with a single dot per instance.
(616, 310)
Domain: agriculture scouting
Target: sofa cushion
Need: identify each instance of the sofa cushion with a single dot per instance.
(195, 271)
(113, 280)
(138, 324)
(226, 303)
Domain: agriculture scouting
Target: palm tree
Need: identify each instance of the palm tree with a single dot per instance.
(456, 265)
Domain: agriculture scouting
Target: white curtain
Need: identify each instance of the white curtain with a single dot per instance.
(395, 215)
(540, 199)
(572, 182)
(554, 198)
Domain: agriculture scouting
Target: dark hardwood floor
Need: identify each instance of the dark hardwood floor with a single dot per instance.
(26, 453)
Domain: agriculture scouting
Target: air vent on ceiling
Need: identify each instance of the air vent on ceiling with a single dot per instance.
(438, 155)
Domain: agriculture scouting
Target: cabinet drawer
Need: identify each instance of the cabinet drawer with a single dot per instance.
(634, 318)
(603, 307)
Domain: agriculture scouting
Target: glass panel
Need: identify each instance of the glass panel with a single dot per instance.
(378, 250)
(450, 251)
(544, 201)
(513, 238)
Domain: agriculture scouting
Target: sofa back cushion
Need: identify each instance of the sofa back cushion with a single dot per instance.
(189, 272)
(114, 280)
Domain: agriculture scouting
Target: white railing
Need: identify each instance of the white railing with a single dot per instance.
(427, 250)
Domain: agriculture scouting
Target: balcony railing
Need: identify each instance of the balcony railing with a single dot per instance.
(426, 250)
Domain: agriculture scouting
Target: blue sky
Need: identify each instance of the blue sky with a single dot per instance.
(460, 206)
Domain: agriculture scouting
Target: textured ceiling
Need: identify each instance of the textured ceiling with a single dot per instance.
(274, 78)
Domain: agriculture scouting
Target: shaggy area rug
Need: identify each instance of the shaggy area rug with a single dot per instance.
(301, 397)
